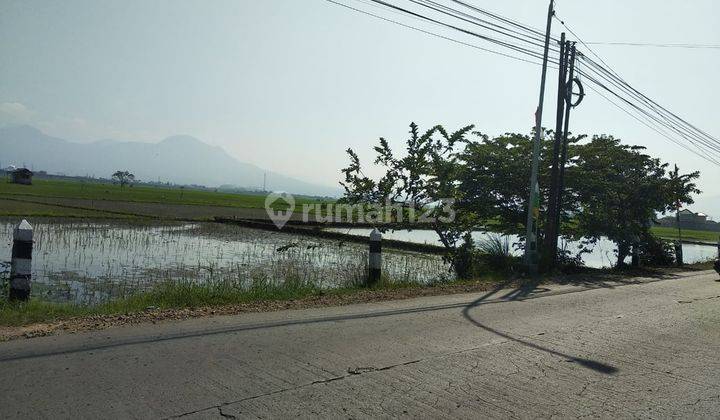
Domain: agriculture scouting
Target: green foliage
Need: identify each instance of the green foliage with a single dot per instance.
(620, 190)
(656, 252)
(424, 176)
(495, 253)
(464, 259)
(123, 178)
(611, 189)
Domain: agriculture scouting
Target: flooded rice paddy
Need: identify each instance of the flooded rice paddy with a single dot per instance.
(93, 262)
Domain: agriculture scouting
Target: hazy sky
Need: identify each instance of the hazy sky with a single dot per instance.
(290, 84)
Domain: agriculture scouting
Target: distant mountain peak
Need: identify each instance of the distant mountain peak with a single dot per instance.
(21, 129)
(183, 139)
(179, 159)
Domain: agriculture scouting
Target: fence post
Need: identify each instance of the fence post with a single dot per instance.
(636, 254)
(21, 265)
(375, 257)
(678, 253)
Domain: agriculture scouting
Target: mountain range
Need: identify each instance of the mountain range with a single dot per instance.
(176, 159)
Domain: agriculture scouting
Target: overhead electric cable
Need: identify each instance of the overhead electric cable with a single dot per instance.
(467, 44)
(657, 45)
(654, 128)
(649, 112)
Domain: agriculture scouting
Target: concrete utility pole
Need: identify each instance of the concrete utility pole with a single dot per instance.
(531, 248)
(568, 105)
(565, 92)
(550, 241)
(678, 243)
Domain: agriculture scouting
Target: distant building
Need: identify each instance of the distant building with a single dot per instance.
(691, 220)
(689, 217)
(21, 176)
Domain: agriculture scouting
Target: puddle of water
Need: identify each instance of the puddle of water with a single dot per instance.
(89, 263)
(602, 255)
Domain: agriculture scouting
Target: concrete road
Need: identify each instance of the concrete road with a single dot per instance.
(643, 350)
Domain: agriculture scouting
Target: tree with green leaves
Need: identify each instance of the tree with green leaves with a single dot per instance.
(422, 180)
(611, 190)
(123, 178)
(620, 190)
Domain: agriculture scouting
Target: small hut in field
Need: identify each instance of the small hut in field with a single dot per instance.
(21, 176)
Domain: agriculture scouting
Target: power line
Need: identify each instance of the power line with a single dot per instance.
(501, 18)
(710, 155)
(615, 75)
(533, 40)
(465, 31)
(664, 113)
(432, 33)
(656, 114)
(657, 45)
(654, 128)
(657, 118)
(650, 113)
(668, 118)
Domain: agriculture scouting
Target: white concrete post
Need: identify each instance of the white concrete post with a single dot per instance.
(678, 253)
(21, 265)
(375, 256)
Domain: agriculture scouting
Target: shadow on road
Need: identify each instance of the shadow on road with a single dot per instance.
(522, 293)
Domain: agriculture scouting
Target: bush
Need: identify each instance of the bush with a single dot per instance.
(568, 262)
(495, 253)
(653, 251)
(463, 259)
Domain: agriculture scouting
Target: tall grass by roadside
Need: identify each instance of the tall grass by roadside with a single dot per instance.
(180, 295)
(166, 295)
(495, 253)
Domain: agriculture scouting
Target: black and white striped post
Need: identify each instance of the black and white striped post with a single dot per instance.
(21, 265)
(375, 261)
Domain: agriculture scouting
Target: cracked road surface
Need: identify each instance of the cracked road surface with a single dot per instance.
(638, 350)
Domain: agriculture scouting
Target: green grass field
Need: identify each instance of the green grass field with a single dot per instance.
(687, 234)
(138, 193)
(13, 208)
(97, 191)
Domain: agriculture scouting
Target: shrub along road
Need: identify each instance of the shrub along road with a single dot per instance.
(647, 349)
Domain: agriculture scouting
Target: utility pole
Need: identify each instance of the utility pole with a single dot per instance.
(531, 248)
(675, 176)
(565, 94)
(563, 155)
(550, 239)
